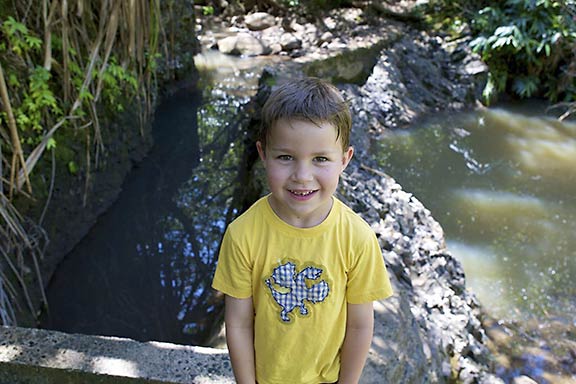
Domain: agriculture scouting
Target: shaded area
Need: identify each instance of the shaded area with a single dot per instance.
(144, 269)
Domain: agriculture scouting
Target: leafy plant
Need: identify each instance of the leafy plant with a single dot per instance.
(88, 62)
(528, 45)
(207, 10)
(19, 39)
(38, 101)
(115, 79)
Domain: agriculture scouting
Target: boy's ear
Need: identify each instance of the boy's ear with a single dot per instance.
(346, 157)
(261, 151)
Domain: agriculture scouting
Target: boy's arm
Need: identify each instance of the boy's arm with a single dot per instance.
(359, 330)
(239, 319)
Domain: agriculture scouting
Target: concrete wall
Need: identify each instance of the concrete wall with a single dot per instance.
(36, 356)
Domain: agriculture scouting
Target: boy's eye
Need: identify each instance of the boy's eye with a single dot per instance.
(321, 159)
(284, 157)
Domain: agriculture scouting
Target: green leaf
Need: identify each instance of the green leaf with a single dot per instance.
(525, 86)
(72, 167)
(13, 80)
(86, 95)
(51, 143)
(33, 42)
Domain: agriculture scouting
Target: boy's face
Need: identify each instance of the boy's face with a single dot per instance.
(303, 164)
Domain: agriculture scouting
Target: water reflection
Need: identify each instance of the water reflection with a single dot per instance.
(503, 186)
(145, 268)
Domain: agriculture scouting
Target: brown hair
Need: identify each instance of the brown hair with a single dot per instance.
(310, 99)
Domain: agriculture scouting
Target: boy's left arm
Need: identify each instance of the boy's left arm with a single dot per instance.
(359, 330)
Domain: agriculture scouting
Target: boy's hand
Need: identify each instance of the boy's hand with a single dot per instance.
(239, 319)
(359, 330)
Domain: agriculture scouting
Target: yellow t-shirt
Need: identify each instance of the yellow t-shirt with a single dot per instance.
(300, 280)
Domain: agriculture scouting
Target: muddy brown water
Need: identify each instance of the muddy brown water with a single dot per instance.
(502, 183)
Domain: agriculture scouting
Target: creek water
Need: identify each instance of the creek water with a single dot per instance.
(144, 269)
(502, 183)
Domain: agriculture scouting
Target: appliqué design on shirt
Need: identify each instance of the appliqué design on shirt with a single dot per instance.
(297, 291)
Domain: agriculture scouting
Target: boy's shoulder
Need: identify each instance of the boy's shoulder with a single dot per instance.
(251, 216)
(349, 216)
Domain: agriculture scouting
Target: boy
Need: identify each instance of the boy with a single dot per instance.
(299, 269)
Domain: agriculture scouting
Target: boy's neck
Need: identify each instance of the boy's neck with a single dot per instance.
(300, 222)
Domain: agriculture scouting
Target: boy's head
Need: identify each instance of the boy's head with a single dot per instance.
(304, 146)
(310, 99)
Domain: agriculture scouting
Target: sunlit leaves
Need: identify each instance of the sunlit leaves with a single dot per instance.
(38, 99)
(19, 39)
(527, 44)
(529, 40)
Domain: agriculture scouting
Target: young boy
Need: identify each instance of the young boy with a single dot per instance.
(299, 269)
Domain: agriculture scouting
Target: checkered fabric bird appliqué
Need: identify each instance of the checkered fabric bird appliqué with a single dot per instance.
(297, 292)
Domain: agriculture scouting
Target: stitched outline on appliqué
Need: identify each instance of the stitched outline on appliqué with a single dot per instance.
(296, 291)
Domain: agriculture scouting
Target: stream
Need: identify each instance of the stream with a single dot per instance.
(502, 183)
(144, 269)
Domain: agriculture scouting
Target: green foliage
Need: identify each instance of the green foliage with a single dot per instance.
(207, 10)
(529, 45)
(118, 82)
(72, 167)
(38, 100)
(19, 39)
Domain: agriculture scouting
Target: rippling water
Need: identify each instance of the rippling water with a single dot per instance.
(502, 183)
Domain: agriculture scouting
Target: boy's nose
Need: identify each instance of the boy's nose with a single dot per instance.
(302, 173)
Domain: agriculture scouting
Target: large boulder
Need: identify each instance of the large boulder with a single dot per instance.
(243, 44)
(259, 20)
(418, 75)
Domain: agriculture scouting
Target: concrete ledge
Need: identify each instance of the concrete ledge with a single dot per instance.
(37, 356)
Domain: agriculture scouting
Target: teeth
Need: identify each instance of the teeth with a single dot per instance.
(302, 193)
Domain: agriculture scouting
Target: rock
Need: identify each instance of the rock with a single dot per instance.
(523, 380)
(259, 21)
(427, 277)
(290, 42)
(243, 44)
(326, 38)
(416, 76)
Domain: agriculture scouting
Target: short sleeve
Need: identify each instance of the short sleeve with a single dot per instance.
(367, 278)
(233, 275)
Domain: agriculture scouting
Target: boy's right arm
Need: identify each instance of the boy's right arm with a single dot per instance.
(239, 319)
